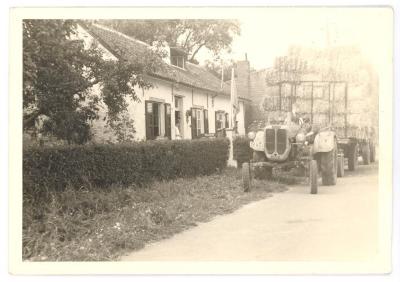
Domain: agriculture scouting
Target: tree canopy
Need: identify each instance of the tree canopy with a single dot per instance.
(216, 66)
(190, 35)
(59, 71)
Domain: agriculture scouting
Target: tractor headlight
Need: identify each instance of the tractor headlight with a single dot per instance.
(251, 135)
(300, 137)
(310, 137)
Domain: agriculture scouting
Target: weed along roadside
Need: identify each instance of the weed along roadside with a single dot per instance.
(102, 224)
(85, 221)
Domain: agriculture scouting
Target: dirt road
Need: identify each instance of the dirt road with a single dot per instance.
(339, 223)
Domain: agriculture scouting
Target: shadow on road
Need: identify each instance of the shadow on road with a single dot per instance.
(362, 170)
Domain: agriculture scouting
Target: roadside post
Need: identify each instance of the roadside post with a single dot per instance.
(230, 135)
(231, 131)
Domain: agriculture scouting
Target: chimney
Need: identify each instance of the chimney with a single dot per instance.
(243, 78)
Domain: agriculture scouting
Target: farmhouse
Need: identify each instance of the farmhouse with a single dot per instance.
(187, 101)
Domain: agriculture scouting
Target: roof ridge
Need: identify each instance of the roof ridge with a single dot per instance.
(193, 64)
(197, 76)
(121, 34)
(203, 67)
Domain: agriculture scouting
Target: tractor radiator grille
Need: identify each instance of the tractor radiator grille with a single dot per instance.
(270, 140)
(281, 141)
(275, 140)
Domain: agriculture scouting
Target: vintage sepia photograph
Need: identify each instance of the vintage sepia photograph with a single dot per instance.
(224, 135)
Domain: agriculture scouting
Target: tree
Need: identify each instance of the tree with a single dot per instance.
(59, 72)
(216, 66)
(190, 35)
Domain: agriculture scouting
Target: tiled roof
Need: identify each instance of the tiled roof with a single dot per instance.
(123, 46)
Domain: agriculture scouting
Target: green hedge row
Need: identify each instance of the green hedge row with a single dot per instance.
(53, 168)
(241, 150)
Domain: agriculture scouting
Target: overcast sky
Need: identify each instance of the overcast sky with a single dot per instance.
(269, 32)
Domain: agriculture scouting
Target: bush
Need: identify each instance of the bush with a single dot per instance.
(241, 150)
(54, 168)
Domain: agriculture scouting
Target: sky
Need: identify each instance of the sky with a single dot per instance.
(267, 33)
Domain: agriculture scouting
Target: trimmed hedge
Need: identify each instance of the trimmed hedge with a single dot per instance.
(54, 168)
(241, 150)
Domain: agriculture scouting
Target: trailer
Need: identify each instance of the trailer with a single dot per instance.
(327, 103)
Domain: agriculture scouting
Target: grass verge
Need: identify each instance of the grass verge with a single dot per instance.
(103, 224)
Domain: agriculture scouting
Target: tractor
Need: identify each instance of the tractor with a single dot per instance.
(294, 144)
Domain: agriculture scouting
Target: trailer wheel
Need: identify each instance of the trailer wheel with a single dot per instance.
(372, 153)
(246, 177)
(329, 167)
(314, 176)
(366, 154)
(340, 166)
(353, 157)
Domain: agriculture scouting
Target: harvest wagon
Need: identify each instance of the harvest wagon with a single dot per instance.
(310, 128)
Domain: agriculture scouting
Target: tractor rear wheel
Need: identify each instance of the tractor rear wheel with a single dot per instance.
(329, 167)
(366, 154)
(340, 166)
(246, 177)
(372, 150)
(314, 176)
(353, 157)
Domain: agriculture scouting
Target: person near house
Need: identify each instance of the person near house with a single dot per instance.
(177, 132)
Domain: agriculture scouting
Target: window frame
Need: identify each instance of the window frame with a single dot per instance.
(222, 122)
(157, 120)
(178, 61)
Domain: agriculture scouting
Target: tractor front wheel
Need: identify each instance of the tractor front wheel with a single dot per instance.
(314, 176)
(329, 167)
(353, 157)
(261, 172)
(246, 177)
(259, 157)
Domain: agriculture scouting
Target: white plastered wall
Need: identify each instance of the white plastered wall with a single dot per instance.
(162, 91)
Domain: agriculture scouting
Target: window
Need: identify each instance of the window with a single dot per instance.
(178, 117)
(178, 61)
(178, 57)
(199, 119)
(199, 122)
(158, 120)
(220, 120)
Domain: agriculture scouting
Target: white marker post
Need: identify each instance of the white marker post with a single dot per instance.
(230, 132)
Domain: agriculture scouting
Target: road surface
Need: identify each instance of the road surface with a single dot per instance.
(339, 223)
